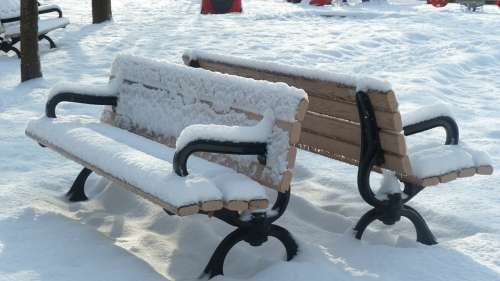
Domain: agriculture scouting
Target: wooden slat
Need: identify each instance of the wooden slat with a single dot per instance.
(349, 111)
(236, 205)
(285, 182)
(349, 153)
(484, 170)
(258, 204)
(351, 132)
(314, 87)
(213, 205)
(301, 112)
(292, 156)
(429, 181)
(451, 176)
(467, 172)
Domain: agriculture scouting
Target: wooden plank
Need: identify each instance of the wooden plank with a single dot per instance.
(236, 205)
(301, 112)
(210, 206)
(485, 170)
(467, 172)
(430, 181)
(286, 180)
(451, 176)
(384, 101)
(181, 211)
(292, 156)
(349, 111)
(258, 204)
(351, 132)
(349, 153)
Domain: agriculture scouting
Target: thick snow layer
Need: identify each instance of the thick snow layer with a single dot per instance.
(258, 133)
(360, 83)
(389, 185)
(168, 98)
(136, 160)
(429, 55)
(13, 30)
(426, 113)
(10, 9)
(110, 89)
(438, 159)
(199, 84)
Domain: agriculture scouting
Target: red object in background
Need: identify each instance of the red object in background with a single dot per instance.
(438, 3)
(498, 3)
(220, 6)
(322, 2)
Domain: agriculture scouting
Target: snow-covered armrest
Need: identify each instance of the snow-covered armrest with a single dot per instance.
(242, 140)
(45, 9)
(430, 117)
(88, 94)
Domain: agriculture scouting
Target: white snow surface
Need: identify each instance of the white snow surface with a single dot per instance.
(359, 82)
(258, 133)
(429, 55)
(438, 159)
(10, 9)
(138, 161)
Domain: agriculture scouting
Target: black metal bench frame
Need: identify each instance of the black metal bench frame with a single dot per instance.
(254, 231)
(8, 45)
(391, 210)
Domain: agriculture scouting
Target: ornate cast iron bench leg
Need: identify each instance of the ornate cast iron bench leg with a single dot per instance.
(255, 232)
(51, 42)
(391, 210)
(77, 190)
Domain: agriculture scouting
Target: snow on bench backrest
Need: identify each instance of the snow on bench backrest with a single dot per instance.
(331, 125)
(158, 100)
(10, 9)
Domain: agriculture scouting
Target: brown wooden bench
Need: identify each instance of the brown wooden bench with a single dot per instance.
(333, 129)
(158, 115)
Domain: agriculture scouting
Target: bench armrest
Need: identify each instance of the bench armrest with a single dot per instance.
(102, 95)
(225, 147)
(431, 117)
(45, 9)
(243, 140)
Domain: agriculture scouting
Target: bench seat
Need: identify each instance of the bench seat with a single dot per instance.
(438, 163)
(145, 167)
(13, 30)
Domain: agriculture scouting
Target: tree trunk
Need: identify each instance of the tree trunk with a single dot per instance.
(30, 60)
(101, 10)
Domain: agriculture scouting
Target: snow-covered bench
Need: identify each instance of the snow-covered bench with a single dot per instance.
(332, 128)
(10, 24)
(243, 132)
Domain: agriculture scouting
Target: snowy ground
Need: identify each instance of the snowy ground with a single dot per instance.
(427, 54)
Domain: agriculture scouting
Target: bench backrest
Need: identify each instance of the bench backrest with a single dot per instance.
(10, 9)
(158, 100)
(331, 126)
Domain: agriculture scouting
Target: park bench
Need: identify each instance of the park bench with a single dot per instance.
(10, 24)
(357, 121)
(243, 132)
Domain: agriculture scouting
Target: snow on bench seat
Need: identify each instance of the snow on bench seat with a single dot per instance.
(144, 166)
(438, 163)
(13, 30)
